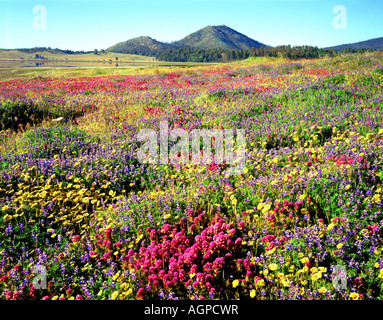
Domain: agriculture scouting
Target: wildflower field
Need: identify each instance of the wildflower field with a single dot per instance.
(75, 199)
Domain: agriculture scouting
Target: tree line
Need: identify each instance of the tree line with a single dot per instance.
(51, 50)
(221, 55)
(224, 55)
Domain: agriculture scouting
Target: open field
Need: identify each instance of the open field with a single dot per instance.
(64, 72)
(75, 199)
(16, 64)
(17, 55)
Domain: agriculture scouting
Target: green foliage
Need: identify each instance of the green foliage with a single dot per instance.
(16, 114)
(29, 234)
(51, 134)
(338, 79)
(222, 55)
(47, 142)
(97, 72)
(145, 46)
(49, 49)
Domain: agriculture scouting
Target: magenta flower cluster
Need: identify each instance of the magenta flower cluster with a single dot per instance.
(193, 255)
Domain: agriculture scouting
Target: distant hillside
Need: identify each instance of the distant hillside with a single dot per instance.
(210, 37)
(145, 46)
(375, 44)
(218, 37)
(47, 49)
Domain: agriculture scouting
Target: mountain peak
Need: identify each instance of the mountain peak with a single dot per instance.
(219, 37)
(209, 37)
(142, 45)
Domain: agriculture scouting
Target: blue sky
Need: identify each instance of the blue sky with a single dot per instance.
(86, 25)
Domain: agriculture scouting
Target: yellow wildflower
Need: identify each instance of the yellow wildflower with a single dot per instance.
(354, 296)
(285, 283)
(322, 290)
(273, 266)
(260, 283)
(314, 270)
(314, 277)
(304, 260)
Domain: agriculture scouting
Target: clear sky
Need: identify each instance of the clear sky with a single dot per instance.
(98, 24)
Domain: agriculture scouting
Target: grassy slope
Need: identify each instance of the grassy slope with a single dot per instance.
(376, 44)
(142, 45)
(14, 54)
